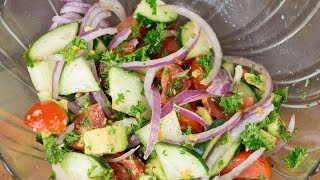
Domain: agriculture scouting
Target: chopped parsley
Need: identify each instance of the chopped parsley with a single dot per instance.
(295, 158)
(231, 104)
(77, 44)
(205, 61)
(91, 169)
(175, 86)
(261, 177)
(72, 137)
(153, 6)
(225, 138)
(136, 30)
(284, 134)
(120, 115)
(252, 138)
(54, 151)
(164, 152)
(154, 37)
(220, 163)
(120, 99)
(86, 122)
(30, 62)
(183, 151)
(167, 71)
(304, 95)
(52, 176)
(273, 116)
(188, 131)
(39, 138)
(136, 111)
(307, 83)
(252, 68)
(164, 53)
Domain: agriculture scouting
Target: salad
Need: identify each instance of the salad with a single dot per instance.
(151, 98)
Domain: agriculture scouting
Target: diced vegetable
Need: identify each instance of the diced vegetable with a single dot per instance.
(202, 46)
(77, 77)
(108, 140)
(243, 89)
(179, 162)
(154, 168)
(76, 166)
(255, 80)
(98, 46)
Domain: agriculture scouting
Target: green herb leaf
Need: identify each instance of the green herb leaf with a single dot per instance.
(72, 137)
(54, 151)
(188, 131)
(205, 61)
(52, 176)
(120, 98)
(136, 30)
(231, 104)
(154, 37)
(39, 138)
(273, 116)
(138, 109)
(252, 138)
(86, 122)
(153, 5)
(295, 158)
(225, 138)
(30, 62)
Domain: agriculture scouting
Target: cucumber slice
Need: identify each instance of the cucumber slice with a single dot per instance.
(204, 148)
(53, 41)
(41, 76)
(201, 47)
(169, 127)
(77, 77)
(98, 46)
(78, 166)
(129, 87)
(144, 15)
(270, 139)
(153, 167)
(243, 89)
(230, 67)
(225, 159)
(178, 162)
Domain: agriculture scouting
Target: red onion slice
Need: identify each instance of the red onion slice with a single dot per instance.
(72, 1)
(133, 141)
(63, 135)
(93, 69)
(55, 79)
(73, 107)
(192, 115)
(91, 35)
(241, 167)
(119, 38)
(179, 55)
(102, 99)
(63, 20)
(259, 68)
(135, 42)
(221, 84)
(238, 129)
(155, 121)
(76, 9)
(114, 6)
(280, 143)
(210, 34)
(99, 17)
(185, 97)
(91, 13)
(148, 80)
(207, 135)
(122, 157)
(79, 100)
(103, 24)
(237, 74)
(79, 4)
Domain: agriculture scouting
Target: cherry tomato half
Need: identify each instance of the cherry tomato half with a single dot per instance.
(185, 121)
(46, 116)
(260, 167)
(134, 165)
(214, 109)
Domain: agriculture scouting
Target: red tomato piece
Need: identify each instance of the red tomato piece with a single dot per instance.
(169, 45)
(119, 172)
(196, 75)
(168, 75)
(128, 23)
(260, 167)
(96, 116)
(214, 109)
(134, 165)
(247, 102)
(46, 116)
(185, 121)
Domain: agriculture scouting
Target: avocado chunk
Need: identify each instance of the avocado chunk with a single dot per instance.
(229, 67)
(204, 114)
(108, 140)
(243, 89)
(255, 80)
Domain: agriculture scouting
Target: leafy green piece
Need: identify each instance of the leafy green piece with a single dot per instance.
(153, 5)
(205, 61)
(273, 116)
(71, 51)
(231, 104)
(136, 111)
(54, 151)
(120, 98)
(52, 176)
(307, 83)
(30, 62)
(252, 138)
(261, 177)
(295, 158)
(154, 37)
(136, 30)
(86, 122)
(39, 138)
(175, 86)
(283, 93)
(304, 95)
(72, 137)
(284, 134)
(188, 131)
